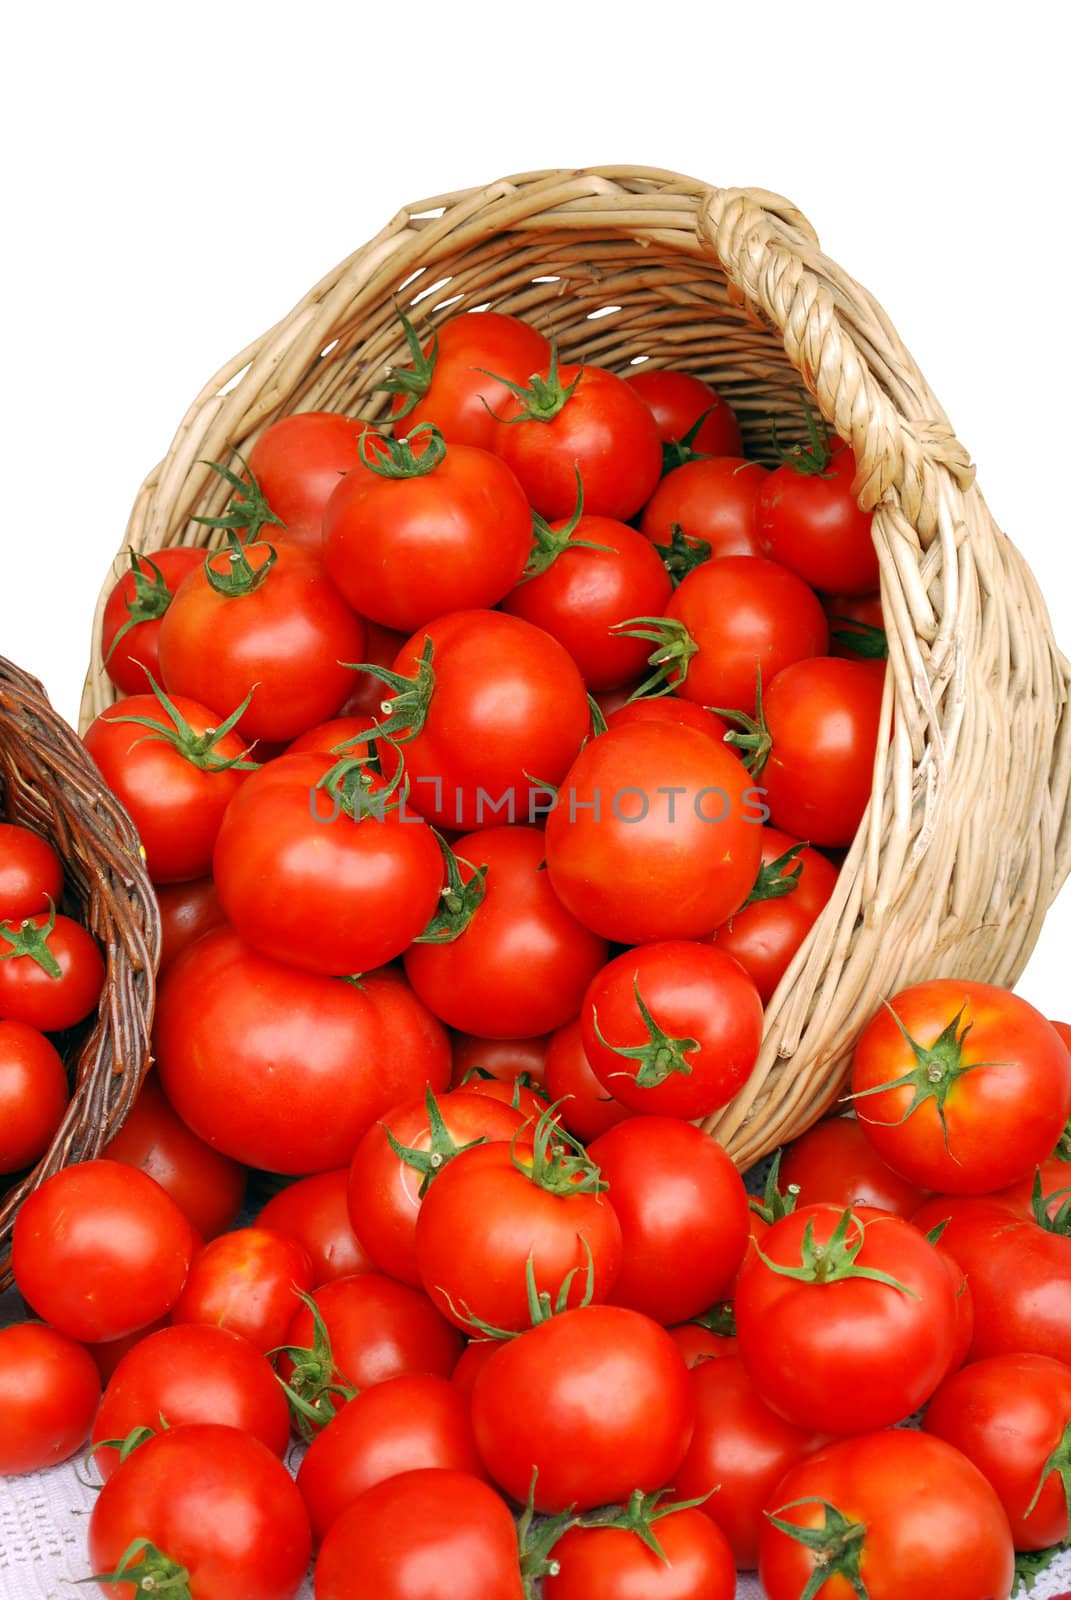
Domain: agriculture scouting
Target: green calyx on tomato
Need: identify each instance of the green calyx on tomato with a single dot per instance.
(1063, 1147)
(676, 452)
(682, 554)
(720, 1319)
(871, 643)
(660, 1056)
(442, 1146)
(548, 543)
(149, 601)
(751, 736)
(812, 459)
(1058, 1221)
(249, 511)
(150, 1571)
(351, 783)
(1059, 1462)
(199, 749)
(775, 1203)
(536, 1540)
(777, 878)
(674, 649)
(938, 1068)
(27, 939)
(835, 1260)
(396, 458)
(559, 1164)
(640, 1515)
(542, 398)
(241, 576)
(459, 900)
(126, 1447)
(411, 384)
(312, 1393)
(837, 1546)
(406, 711)
(541, 1305)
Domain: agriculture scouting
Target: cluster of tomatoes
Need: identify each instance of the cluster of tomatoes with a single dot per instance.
(491, 776)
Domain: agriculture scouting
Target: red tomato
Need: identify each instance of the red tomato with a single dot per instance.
(207, 1187)
(298, 461)
(212, 1500)
(713, 502)
(247, 1282)
(835, 1164)
(810, 521)
(284, 1069)
(99, 1249)
(505, 1059)
(522, 963)
(314, 1212)
(672, 1029)
(834, 1350)
(678, 401)
(186, 911)
(33, 1095)
(585, 1108)
(655, 834)
(856, 626)
(531, 1103)
(406, 1424)
(286, 639)
(51, 972)
(667, 708)
(683, 1211)
(434, 1533)
(194, 1374)
(610, 1562)
(603, 1374)
(793, 885)
(31, 873)
(697, 1343)
(1055, 1175)
(49, 1391)
(960, 1086)
(134, 612)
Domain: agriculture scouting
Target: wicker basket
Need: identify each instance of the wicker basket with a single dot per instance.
(966, 839)
(49, 783)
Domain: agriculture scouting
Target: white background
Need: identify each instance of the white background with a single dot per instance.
(178, 177)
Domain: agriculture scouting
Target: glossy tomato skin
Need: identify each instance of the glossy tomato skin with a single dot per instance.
(1008, 1415)
(765, 935)
(1001, 1117)
(378, 1329)
(186, 911)
(248, 1282)
(207, 1187)
(99, 1250)
(464, 398)
(604, 1374)
(613, 1564)
(715, 501)
(339, 736)
(314, 1212)
(128, 660)
(49, 1391)
(586, 593)
(835, 1164)
(217, 1502)
(33, 1095)
(695, 995)
(30, 995)
(431, 1532)
(288, 641)
(522, 964)
(604, 431)
(655, 835)
(740, 1451)
(507, 715)
(677, 400)
(813, 524)
(933, 1524)
(404, 1424)
(853, 1353)
(683, 1211)
(667, 708)
(587, 1109)
(304, 880)
(191, 1374)
(298, 461)
(282, 1069)
(31, 873)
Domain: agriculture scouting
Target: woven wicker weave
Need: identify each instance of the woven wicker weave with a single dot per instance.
(966, 839)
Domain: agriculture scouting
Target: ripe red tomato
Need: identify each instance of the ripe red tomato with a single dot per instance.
(897, 1512)
(667, 708)
(678, 401)
(505, 1059)
(297, 463)
(193, 1374)
(683, 1211)
(33, 1095)
(672, 1028)
(655, 834)
(810, 521)
(49, 1391)
(134, 612)
(960, 1086)
(611, 1562)
(793, 886)
(99, 1249)
(284, 1069)
(31, 874)
(247, 1282)
(1055, 1177)
(314, 1212)
(856, 626)
(186, 911)
(51, 972)
(584, 1105)
(714, 503)
(212, 1500)
(522, 963)
(339, 736)
(834, 1163)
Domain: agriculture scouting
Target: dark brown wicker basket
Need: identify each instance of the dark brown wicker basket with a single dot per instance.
(49, 782)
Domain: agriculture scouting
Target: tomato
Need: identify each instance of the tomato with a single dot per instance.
(313, 1211)
(655, 834)
(283, 1069)
(450, 382)
(247, 1282)
(810, 521)
(31, 874)
(697, 1343)
(611, 1562)
(49, 1391)
(99, 1249)
(33, 1095)
(580, 420)
(51, 972)
(584, 1105)
(191, 1374)
(856, 626)
(835, 1164)
(531, 1103)
(673, 1028)
(134, 612)
(435, 528)
(602, 1374)
(405, 1424)
(1011, 1416)
(207, 1187)
(297, 463)
(1055, 1175)
(740, 1451)
(793, 886)
(283, 635)
(714, 503)
(667, 708)
(678, 401)
(432, 1534)
(505, 1059)
(521, 965)
(905, 1513)
(960, 1086)
(186, 911)
(494, 710)
(837, 1351)
(367, 692)
(335, 879)
(590, 575)
(386, 1191)
(210, 1499)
